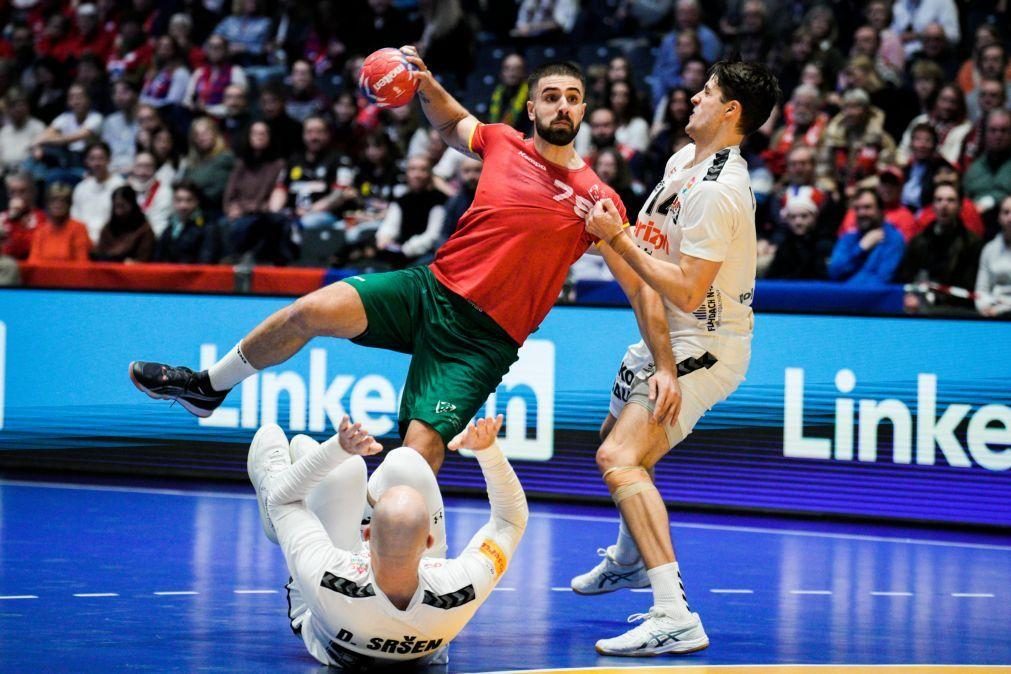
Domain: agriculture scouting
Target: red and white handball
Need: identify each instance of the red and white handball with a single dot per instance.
(387, 79)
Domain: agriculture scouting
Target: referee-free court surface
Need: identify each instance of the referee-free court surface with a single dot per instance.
(158, 577)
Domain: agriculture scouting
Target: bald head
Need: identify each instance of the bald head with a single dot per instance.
(400, 524)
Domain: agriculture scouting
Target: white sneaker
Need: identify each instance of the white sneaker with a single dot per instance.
(268, 453)
(301, 445)
(609, 575)
(658, 634)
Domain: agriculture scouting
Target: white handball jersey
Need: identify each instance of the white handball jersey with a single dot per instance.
(355, 624)
(706, 211)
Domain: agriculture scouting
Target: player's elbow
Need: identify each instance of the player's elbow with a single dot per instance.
(688, 302)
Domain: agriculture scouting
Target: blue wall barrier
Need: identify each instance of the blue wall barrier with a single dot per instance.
(880, 417)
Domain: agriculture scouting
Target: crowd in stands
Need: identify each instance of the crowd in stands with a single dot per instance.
(199, 131)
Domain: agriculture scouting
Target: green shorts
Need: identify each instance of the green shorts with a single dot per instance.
(460, 353)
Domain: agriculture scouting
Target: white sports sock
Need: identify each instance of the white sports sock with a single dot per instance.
(669, 591)
(230, 370)
(625, 549)
(405, 466)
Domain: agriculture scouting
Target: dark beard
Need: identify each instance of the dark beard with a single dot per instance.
(556, 135)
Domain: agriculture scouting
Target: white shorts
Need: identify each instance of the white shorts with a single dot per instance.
(704, 381)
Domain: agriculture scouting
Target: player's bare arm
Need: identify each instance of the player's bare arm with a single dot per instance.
(651, 318)
(685, 284)
(447, 116)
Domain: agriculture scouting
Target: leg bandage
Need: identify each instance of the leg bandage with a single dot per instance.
(627, 481)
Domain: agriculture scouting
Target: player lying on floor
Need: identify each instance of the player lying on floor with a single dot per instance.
(384, 600)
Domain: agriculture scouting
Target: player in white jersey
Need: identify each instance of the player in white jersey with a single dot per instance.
(383, 601)
(694, 243)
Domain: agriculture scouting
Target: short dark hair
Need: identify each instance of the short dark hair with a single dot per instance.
(874, 193)
(752, 85)
(566, 68)
(957, 186)
(101, 144)
(926, 127)
(187, 185)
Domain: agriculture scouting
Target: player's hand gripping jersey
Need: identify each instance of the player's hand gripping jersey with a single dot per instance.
(513, 247)
(706, 211)
(350, 621)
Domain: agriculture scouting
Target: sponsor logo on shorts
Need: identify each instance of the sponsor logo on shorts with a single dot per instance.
(442, 407)
(3, 371)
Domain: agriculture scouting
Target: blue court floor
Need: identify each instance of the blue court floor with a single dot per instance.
(169, 577)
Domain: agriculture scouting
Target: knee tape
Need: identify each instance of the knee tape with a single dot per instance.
(627, 481)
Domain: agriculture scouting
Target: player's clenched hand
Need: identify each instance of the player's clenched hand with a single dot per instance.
(355, 440)
(665, 392)
(604, 220)
(478, 435)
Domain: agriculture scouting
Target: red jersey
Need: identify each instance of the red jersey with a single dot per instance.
(513, 247)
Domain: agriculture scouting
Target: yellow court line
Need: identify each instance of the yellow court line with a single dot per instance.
(781, 669)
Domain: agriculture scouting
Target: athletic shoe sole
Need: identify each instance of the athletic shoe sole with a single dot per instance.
(674, 649)
(188, 406)
(606, 590)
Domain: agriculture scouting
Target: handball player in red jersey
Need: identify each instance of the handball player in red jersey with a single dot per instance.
(464, 317)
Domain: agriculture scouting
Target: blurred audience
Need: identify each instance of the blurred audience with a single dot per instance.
(127, 237)
(993, 282)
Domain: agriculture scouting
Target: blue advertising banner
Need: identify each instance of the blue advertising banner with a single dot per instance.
(879, 417)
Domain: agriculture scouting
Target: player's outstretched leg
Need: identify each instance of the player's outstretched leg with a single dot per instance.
(268, 453)
(335, 311)
(621, 567)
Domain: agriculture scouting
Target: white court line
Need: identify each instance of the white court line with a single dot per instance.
(717, 590)
(892, 594)
(96, 594)
(557, 516)
(20, 596)
(972, 595)
(561, 589)
(810, 591)
(255, 591)
(175, 594)
(641, 589)
(503, 589)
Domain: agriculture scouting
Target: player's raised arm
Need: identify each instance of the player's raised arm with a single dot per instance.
(445, 113)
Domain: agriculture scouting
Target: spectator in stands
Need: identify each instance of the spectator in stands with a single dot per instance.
(47, 96)
(469, 172)
(304, 98)
(189, 237)
(127, 237)
(949, 120)
(508, 104)
(988, 179)
(180, 29)
(804, 125)
(209, 163)
(308, 191)
(793, 59)
(378, 179)
(631, 130)
(927, 79)
(206, 90)
(91, 75)
(347, 132)
(668, 133)
(993, 66)
(91, 37)
(285, 131)
(855, 144)
(56, 39)
(803, 250)
(923, 163)
(911, 18)
(447, 40)
(991, 95)
(378, 24)
(132, 51)
(18, 132)
(235, 123)
(889, 188)
(694, 73)
(119, 130)
(19, 222)
(936, 48)
(891, 52)
(250, 228)
(969, 74)
(166, 156)
(945, 253)
(412, 224)
(602, 135)
(754, 41)
(168, 77)
(860, 73)
(687, 16)
(246, 31)
(153, 195)
(149, 122)
(799, 180)
(969, 215)
(544, 21)
(92, 200)
(821, 23)
(69, 134)
(611, 167)
(871, 254)
(993, 282)
(59, 238)
(867, 43)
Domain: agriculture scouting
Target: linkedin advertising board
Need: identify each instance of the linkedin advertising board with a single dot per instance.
(878, 417)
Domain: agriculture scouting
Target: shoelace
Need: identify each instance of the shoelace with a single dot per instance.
(652, 613)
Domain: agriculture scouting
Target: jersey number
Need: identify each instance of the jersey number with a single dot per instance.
(664, 206)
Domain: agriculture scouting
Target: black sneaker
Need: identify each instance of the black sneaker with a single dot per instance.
(191, 389)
